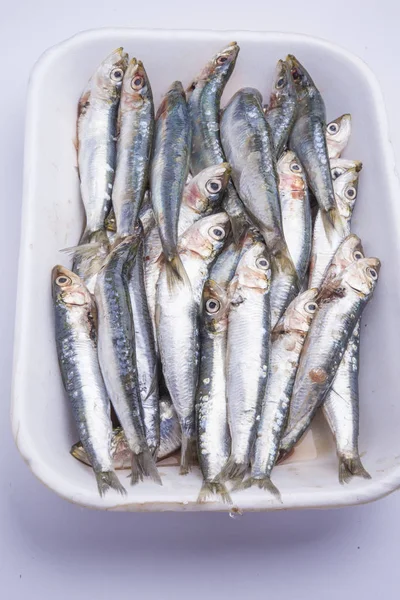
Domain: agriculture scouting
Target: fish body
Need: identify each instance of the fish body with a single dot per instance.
(326, 239)
(286, 346)
(281, 111)
(337, 135)
(170, 439)
(76, 340)
(247, 354)
(341, 302)
(296, 211)
(145, 351)
(168, 173)
(213, 438)
(177, 314)
(307, 138)
(96, 139)
(134, 146)
(204, 99)
(117, 353)
(246, 139)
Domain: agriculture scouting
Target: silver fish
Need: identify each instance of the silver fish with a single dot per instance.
(341, 404)
(204, 98)
(282, 108)
(76, 339)
(341, 410)
(134, 146)
(96, 139)
(116, 350)
(337, 135)
(202, 195)
(341, 303)
(296, 211)
(146, 354)
(177, 313)
(342, 165)
(213, 438)
(308, 140)
(170, 439)
(326, 239)
(247, 355)
(286, 345)
(168, 173)
(247, 143)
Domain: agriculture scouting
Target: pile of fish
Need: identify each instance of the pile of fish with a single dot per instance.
(215, 295)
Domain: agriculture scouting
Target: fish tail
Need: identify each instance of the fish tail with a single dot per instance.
(147, 466)
(108, 480)
(264, 483)
(239, 227)
(136, 471)
(209, 489)
(188, 454)
(234, 470)
(351, 467)
(176, 272)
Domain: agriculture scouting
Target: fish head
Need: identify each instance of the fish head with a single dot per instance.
(136, 89)
(203, 193)
(207, 236)
(174, 95)
(219, 67)
(362, 276)
(107, 81)
(299, 313)
(291, 173)
(338, 133)
(68, 288)
(283, 85)
(339, 166)
(346, 189)
(349, 251)
(301, 78)
(215, 307)
(254, 268)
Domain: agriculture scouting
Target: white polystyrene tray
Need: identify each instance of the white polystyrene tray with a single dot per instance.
(53, 217)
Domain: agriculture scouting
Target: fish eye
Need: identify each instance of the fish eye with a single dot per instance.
(137, 82)
(217, 233)
(213, 186)
(212, 306)
(262, 263)
(63, 280)
(372, 273)
(333, 128)
(337, 172)
(351, 192)
(311, 307)
(117, 74)
(280, 83)
(358, 255)
(295, 167)
(221, 60)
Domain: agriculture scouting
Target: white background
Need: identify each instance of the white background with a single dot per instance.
(51, 549)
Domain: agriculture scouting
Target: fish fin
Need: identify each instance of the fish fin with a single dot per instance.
(136, 471)
(176, 272)
(108, 480)
(78, 452)
(239, 227)
(264, 483)
(188, 454)
(147, 466)
(209, 489)
(351, 467)
(86, 250)
(234, 470)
